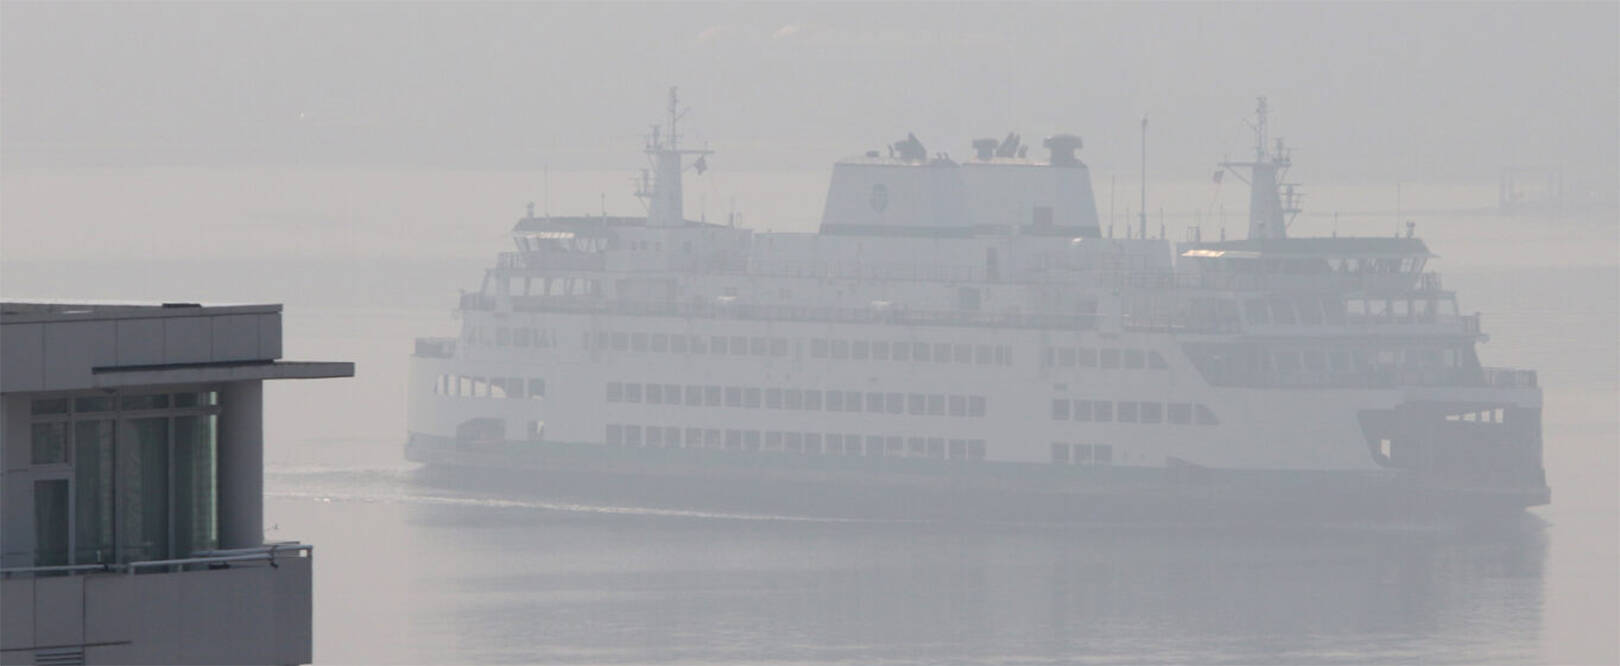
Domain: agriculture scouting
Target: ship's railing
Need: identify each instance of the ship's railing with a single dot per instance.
(436, 347)
(210, 559)
(1381, 283)
(875, 315)
(1510, 377)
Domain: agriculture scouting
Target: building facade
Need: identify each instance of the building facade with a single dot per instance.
(132, 523)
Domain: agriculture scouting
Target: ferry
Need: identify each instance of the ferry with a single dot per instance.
(963, 339)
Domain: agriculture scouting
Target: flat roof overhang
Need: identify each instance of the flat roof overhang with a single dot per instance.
(200, 373)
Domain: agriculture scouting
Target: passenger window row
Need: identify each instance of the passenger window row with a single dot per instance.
(671, 437)
(733, 345)
(513, 337)
(908, 351)
(1106, 358)
(1064, 453)
(1102, 411)
(489, 387)
(831, 400)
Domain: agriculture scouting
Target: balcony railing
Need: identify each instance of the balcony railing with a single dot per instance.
(267, 553)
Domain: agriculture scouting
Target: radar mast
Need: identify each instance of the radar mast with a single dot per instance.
(1272, 204)
(662, 188)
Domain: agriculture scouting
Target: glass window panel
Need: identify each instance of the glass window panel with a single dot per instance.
(93, 491)
(142, 484)
(52, 406)
(49, 443)
(50, 523)
(155, 401)
(195, 501)
(93, 404)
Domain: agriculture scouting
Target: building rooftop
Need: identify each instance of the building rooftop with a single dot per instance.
(22, 311)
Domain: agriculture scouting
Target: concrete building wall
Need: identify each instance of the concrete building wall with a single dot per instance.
(251, 613)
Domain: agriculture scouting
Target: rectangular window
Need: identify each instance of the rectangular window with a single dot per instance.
(694, 438)
(739, 345)
(779, 347)
(51, 523)
(694, 396)
(520, 337)
(894, 403)
(655, 394)
(812, 399)
(751, 398)
(773, 441)
(936, 405)
(942, 352)
(1152, 412)
(1179, 413)
(141, 477)
(818, 348)
(958, 405)
(655, 437)
(660, 343)
(93, 491)
(840, 349)
(1102, 411)
(632, 393)
(916, 404)
(1060, 452)
(1127, 412)
(621, 341)
(895, 445)
(975, 449)
(1082, 410)
(1060, 409)
(793, 442)
(936, 447)
(751, 440)
(734, 440)
(537, 388)
(880, 350)
(976, 406)
(503, 337)
(958, 449)
(632, 435)
(962, 353)
(874, 445)
(698, 344)
(139, 402)
(794, 399)
(615, 392)
(916, 446)
(733, 396)
(812, 442)
(711, 438)
(717, 344)
(874, 403)
(672, 437)
(773, 398)
(759, 347)
(638, 342)
(677, 344)
(1082, 454)
(982, 355)
(1086, 357)
(835, 401)
(902, 351)
(835, 443)
(1065, 357)
(1110, 359)
(860, 350)
(711, 396)
(49, 443)
(1134, 359)
(49, 406)
(1102, 454)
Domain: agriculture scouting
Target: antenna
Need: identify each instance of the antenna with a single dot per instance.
(1141, 231)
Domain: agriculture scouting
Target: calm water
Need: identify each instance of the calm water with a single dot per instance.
(409, 570)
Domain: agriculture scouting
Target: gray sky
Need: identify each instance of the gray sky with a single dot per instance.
(1371, 91)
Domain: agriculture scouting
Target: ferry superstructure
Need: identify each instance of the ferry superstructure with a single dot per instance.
(965, 329)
